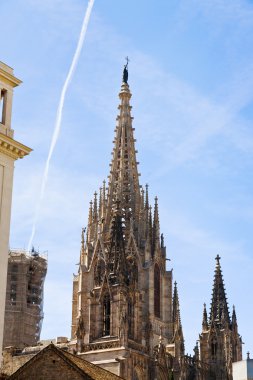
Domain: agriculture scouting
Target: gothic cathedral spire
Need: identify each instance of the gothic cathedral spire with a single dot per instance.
(220, 343)
(124, 177)
(219, 312)
(122, 293)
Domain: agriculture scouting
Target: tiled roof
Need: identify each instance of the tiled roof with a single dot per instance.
(93, 371)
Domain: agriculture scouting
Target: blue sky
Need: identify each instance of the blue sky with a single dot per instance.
(190, 73)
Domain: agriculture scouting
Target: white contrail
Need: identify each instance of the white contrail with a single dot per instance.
(59, 114)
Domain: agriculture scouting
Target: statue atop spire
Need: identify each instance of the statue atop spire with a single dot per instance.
(125, 71)
(217, 258)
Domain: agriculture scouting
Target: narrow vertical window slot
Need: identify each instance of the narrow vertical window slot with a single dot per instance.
(157, 292)
(3, 99)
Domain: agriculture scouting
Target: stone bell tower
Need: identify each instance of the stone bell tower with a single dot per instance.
(10, 150)
(122, 294)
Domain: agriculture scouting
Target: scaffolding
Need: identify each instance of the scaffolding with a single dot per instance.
(24, 298)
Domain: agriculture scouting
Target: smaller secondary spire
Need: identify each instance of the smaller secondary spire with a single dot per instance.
(176, 308)
(103, 199)
(150, 227)
(204, 321)
(146, 199)
(234, 314)
(177, 325)
(156, 229)
(234, 320)
(95, 207)
(90, 214)
(156, 214)
(82, 239)
(219, 307)
(82, 250)
(100, 203)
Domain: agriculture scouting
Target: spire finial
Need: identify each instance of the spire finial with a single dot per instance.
(125, 71)
(217, 258)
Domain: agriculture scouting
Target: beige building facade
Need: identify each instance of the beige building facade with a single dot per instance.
(10, 150)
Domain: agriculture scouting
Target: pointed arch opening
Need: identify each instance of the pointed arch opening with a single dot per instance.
(130, 313)
(132, 272)
(157, 291)
(234, 351)
(214, 347)
(106, 315)
(99, 272)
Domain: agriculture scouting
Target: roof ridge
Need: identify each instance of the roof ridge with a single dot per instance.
(78, 364)
(50, 346)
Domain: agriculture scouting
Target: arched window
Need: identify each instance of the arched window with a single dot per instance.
(157, 291)
(214, 348)
(99, 272)
(235, 352)
(106, 315)
(131, 318)
(132, 276)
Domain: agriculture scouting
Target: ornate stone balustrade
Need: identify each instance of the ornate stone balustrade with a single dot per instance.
(101, 345)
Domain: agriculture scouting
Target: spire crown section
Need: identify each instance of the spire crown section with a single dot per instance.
(219, 313)
(125, 195)
(124, 177)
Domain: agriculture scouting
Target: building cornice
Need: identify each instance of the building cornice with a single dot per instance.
(13, 148)
(6, 72)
